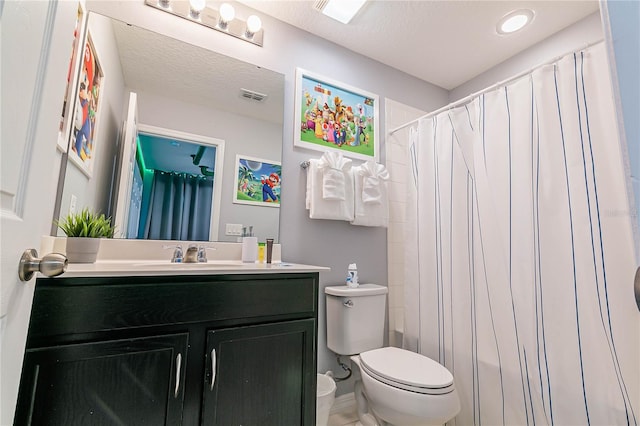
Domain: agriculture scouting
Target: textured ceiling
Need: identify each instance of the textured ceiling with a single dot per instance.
(158, 64)
(172, 155)
(444, 42)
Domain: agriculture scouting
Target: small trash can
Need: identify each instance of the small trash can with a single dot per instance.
(326, 392)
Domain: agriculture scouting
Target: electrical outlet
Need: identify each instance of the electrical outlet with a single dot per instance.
(72, 204)
(233, 229)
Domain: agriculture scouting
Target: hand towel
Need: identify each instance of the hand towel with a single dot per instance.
(371, 195)
(321, 208)
(334, 169)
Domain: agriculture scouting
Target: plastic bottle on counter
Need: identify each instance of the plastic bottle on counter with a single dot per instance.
(352, 276)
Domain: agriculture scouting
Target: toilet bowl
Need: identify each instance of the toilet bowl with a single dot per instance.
(404, 388)
(396, 386)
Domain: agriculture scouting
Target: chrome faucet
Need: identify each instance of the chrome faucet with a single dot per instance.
(192, 254)
(195, 253)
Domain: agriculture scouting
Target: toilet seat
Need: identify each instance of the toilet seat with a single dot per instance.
(407, 370)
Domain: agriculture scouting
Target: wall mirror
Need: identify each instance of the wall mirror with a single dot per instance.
(211, 109)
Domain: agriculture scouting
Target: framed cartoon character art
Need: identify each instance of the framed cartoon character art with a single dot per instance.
(257, 181)
(335, 116)
(85, 117)
(68, 103)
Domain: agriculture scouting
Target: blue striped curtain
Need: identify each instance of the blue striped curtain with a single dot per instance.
(519, 256)
(180, 207)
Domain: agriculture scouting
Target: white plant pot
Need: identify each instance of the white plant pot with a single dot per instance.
(82, 250)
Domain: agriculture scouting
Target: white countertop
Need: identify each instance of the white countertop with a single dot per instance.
(116, 268)
(151, 257)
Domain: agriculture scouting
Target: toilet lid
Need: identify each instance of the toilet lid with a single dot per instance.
(407, 370)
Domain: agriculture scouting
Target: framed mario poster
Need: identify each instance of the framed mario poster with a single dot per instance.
(257, 181)
(335, 116)
(84, 124)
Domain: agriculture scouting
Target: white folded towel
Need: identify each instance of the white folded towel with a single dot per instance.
(339, 203)
(371, 195)
(334, 166)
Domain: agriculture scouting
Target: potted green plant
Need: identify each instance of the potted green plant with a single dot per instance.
(84, 231)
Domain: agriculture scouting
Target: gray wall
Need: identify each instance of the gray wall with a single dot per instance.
(622, 21)
(318, 242)
(242, 135)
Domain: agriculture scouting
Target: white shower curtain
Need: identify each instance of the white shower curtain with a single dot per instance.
(519, 254)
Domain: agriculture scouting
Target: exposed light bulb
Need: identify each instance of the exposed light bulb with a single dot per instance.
(253, 25)
(227, 13)
(219, 17)
(196, 6)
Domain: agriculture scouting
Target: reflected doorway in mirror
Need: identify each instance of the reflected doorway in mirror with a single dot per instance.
(170, 186)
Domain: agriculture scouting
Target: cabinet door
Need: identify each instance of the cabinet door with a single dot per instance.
(261, 375)
(123, 382)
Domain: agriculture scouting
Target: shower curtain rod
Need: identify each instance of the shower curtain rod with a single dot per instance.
(468, 98)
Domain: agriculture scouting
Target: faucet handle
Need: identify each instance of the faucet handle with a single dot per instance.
(177, 253)
(202, 253)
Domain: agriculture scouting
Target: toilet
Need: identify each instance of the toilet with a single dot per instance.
(395, 386)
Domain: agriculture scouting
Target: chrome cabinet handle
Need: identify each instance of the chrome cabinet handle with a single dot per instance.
(348, 303)
(213, 368)
(50, 265)
(178, 369)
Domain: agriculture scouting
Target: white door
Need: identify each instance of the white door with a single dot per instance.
(127, 165)
(35, 50)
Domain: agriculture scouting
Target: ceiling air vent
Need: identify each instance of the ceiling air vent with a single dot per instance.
(320, 4)
(250, 94)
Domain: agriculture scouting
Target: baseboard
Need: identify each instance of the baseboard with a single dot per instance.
(344, 404)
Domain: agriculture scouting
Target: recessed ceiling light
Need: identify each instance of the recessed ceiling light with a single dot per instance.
(340, 10)
(514, 21)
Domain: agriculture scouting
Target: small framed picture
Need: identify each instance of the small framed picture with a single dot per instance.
(77, 39)
(335, 116)
(257, 181)
(86, 111)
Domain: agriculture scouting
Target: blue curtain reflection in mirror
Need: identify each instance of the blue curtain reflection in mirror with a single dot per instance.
(172, 189)
(179, 208)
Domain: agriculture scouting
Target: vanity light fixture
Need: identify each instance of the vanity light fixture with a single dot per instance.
(195, 8)
(514, 21)
(227, 13)
(254, 24)
(340, 10)
(222, 19)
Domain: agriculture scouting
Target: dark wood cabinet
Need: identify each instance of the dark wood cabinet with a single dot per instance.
(125, 382)
(189, 350)
(259, 375)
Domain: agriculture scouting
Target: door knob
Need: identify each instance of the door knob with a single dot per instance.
(50, 265)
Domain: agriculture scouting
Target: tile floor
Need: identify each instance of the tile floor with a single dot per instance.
(343, 419)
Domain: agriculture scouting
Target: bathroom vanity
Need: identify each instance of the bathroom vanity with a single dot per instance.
(230, 348)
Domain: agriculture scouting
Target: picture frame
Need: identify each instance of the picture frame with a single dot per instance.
(257, 181)
(330, 115)
(68, 103)
(85, 116)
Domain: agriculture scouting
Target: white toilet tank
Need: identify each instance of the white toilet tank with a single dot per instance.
(355, 318)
